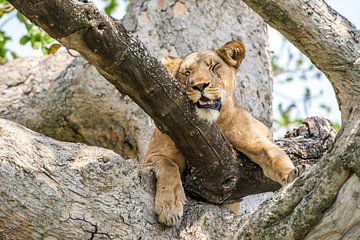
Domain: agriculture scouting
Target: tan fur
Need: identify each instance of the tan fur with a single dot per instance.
(233, 207)
(208, 77)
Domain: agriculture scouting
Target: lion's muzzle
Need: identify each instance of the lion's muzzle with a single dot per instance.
(205, 96)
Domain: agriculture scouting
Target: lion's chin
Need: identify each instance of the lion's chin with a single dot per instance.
(207, 114)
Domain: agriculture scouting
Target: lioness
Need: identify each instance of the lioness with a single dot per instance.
(209, 80)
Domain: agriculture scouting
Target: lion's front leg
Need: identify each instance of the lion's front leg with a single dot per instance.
(252, 138)
(168, 164)
(170, 196)
(276, 164)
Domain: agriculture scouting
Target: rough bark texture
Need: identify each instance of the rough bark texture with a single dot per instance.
(177, 28)
(58, 190)
(334, 224)
(331, 42)
(307, 143)
(126, 64)
(66, 98)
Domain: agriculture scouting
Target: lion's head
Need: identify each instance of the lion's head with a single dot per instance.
(208, 76)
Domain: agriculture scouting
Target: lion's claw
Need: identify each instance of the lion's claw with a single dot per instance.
(295, 173)
(169, 205)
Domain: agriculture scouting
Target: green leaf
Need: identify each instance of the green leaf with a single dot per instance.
(299, 62)
(45, 50)
(325, 107)
(14, 54)
(21, 17)
(289, 79)
(36, 44)
(336, 127)
(3, 60)
(111, 7)
(307, 92)
(297, 121)
(24, 40)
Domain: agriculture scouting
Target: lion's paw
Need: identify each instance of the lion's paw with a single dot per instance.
(169, 204)
(295, 173)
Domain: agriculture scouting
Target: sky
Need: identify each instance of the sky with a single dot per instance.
(282, 92)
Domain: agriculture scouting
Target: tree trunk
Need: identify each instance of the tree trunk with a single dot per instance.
(126, 64)
(58, 190)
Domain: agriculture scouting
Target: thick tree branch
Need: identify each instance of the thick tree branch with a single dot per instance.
(58, 190)
(51, 189)
(296, 209)
(128, 66)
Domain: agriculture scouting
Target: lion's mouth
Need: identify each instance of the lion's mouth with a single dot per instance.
(207, 103)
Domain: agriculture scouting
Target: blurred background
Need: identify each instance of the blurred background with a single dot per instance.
(300, 89)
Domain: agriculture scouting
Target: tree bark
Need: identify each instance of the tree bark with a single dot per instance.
(58, 190)
(319, 32)
(67, 99)
(129, 67)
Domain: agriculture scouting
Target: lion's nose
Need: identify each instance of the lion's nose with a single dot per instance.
(200, 87)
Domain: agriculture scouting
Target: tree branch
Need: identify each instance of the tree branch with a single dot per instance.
(52, 189)
(322, 34)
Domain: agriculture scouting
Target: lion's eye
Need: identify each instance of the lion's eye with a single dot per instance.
(187, 73)
(214, 66)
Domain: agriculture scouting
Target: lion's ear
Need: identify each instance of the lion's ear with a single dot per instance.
(232, 53)
(172, 64)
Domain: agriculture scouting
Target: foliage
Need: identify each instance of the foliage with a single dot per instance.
(111, 6)
(3, 49)
(33, 36)
(289, 67)
(5, 8)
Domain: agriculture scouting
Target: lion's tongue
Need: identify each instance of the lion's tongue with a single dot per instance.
(204, 101)
(209, 104)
